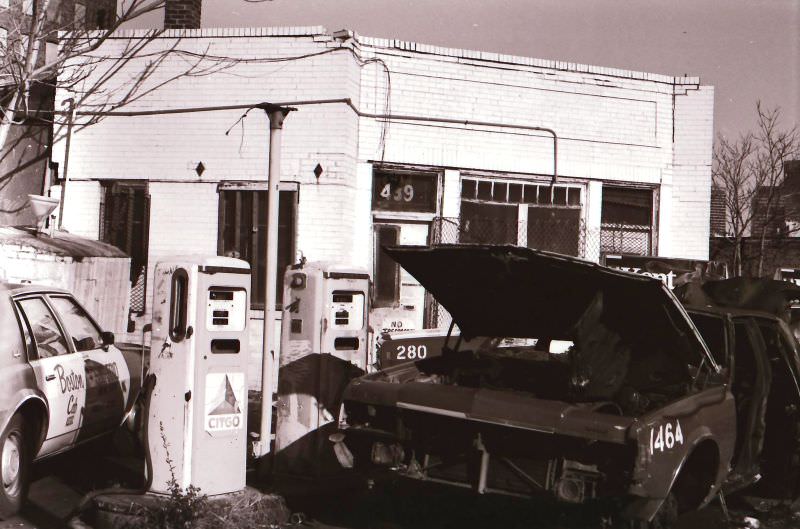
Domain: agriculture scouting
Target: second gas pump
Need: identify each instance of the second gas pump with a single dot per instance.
(324, 345)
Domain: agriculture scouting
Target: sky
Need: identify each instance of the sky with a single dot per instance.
(749, 50)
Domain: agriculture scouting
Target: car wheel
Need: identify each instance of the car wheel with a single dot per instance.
(14, 467)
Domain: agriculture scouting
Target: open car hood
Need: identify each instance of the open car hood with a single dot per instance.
(513, 291)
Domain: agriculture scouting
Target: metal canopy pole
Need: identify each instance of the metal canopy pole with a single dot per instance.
(276, 116)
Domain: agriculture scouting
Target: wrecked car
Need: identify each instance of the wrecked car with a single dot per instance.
(63, 382)
(597, 387)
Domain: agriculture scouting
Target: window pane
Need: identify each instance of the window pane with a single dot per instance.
(468, 188)
(627, 206)
(530, 194)
(712, 329)
(488, 223)
(500, 191)
(484, 190)
(387, 273)
(574, 197)
(560, 196)
(49, 339)
(515, 193)
(554, 229)
(85, 335)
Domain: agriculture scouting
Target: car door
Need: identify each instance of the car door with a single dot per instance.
(59, 372)
(779, 458)
(107, 376)
(752, 378)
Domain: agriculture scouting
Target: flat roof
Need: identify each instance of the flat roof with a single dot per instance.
(405, 45)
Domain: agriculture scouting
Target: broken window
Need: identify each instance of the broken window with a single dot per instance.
(124, 222)
(626, 222)
(386, 275)
(243, 234)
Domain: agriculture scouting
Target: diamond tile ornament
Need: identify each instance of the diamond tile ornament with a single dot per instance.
(200, 169)
(318, 170)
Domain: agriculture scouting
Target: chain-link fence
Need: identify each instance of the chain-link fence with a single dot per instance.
(565, 236)
(625, 238)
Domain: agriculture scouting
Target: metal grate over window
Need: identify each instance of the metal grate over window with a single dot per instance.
(125, 223)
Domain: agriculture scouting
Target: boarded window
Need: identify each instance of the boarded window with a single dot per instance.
(124, 222)
(243, 234)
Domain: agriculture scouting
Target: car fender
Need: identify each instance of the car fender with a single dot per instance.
(21, 398)
(645, 508)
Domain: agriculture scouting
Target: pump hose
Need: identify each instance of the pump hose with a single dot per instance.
(144, 396)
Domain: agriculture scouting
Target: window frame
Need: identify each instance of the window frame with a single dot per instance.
(291, 192)
(51, 297)
(44, 298)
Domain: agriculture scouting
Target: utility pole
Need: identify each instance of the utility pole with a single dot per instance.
(276, 116)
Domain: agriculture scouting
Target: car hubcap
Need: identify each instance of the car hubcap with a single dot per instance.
(11, 463)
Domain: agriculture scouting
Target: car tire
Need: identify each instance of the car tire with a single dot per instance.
(15, 458)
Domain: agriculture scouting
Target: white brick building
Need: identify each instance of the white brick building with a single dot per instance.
(634, 155)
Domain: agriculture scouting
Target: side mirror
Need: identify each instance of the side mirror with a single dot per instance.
(107, 337)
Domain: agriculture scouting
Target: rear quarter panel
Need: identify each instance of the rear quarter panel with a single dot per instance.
(706, 415)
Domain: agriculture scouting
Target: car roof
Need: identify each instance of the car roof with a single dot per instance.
(731, 311)
(14, 289)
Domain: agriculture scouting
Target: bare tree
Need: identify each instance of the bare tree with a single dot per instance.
(732, 172)
(82, 67)
(751, 172)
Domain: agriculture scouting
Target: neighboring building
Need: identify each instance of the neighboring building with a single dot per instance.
(719, 211)
(778, 210)
(385, 149)
(23, 159)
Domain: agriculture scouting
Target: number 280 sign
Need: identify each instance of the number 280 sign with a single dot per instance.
(404, 192)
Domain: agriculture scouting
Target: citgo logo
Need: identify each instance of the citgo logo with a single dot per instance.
(224, 394)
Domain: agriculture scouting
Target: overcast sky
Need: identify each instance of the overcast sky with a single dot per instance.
(747, 49)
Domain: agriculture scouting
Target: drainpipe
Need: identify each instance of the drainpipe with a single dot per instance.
(65, 175)
(276, 116)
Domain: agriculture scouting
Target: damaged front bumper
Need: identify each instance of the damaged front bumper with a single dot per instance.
(487, 457)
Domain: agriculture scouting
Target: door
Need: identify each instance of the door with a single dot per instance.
(59, 373)
(751, 382)
(107, 377)
(399, 300)
(779, 457)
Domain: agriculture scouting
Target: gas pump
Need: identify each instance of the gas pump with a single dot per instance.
(324, 344)
(199, 350)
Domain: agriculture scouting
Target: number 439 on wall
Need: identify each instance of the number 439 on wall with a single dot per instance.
(665, 436)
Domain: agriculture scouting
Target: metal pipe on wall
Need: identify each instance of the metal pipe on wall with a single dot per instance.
(276, 116)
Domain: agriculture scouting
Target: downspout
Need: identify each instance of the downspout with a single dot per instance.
(65, 175)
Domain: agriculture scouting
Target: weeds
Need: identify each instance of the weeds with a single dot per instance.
(181, 509)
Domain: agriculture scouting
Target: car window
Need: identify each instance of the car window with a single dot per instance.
(49, 339)
(712, 329)
(772, 341)
(85, 334)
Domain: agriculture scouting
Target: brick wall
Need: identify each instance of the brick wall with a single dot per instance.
(688, 232)
(182, 14)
